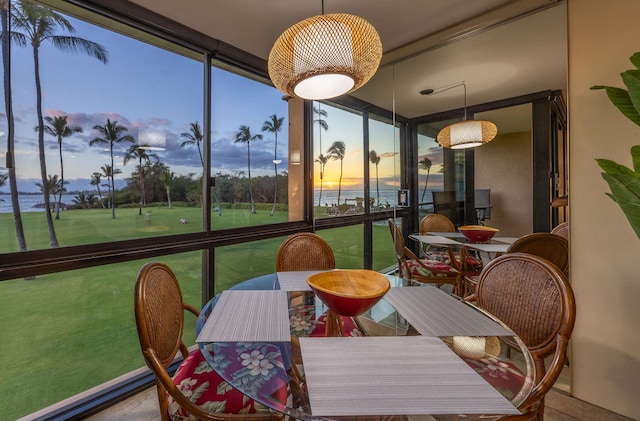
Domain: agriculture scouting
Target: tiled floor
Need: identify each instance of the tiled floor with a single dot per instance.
(559, 407)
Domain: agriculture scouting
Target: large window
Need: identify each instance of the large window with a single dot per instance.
(249, 152)
(111, 158)
(117, 175)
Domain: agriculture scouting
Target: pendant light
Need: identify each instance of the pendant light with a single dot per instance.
(325, 56)
(466, 133)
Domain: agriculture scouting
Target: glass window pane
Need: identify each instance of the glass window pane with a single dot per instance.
(64, 333)
(110, 141)
(249, 153)
(338, 161)
(347, 244)
(383, 164)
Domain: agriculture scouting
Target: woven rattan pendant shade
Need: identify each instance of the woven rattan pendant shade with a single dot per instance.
(467, 134)
(325, 56)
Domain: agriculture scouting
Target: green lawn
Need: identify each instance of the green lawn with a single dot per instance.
(66, 332)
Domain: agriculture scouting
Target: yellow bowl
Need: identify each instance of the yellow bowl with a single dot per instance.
(478, 233)
(349, 292)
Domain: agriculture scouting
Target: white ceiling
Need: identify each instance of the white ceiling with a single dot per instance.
(499, 48)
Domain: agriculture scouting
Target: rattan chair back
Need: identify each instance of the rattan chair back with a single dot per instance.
(533, 298)
(159, 312)
(435, 222)
(552, 247)
(304, 251)
(562, 230)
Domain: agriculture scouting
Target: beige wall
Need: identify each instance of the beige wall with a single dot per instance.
(605, 360)
(511, 197)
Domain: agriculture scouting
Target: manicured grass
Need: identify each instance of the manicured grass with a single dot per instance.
(64, 333)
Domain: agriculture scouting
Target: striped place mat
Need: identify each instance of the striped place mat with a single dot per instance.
(296, 280)
(433, 312)
(407, 375)
(248, 316)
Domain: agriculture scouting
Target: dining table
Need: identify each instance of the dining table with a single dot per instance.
(493, 248)
(418, 354)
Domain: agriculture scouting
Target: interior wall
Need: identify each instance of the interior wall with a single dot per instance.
(511, 199)
(605, 360)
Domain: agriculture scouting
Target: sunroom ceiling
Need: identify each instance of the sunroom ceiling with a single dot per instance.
(500, 48)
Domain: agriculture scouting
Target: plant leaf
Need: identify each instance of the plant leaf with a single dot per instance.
(621, 99)
(631, 79)
(625, 191)
(635, 156)
(635, 59)
(612, 167)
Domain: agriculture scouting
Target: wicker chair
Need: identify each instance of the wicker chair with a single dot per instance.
(159, 312)
(304, 251)
(468, 263)
(552, 247)
(435, 222)
(562, 230)
(535, 300)
(412, 268)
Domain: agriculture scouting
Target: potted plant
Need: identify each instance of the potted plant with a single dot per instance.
(623, 181)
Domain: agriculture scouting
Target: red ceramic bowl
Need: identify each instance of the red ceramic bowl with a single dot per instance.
(349, 292)
(478, 233)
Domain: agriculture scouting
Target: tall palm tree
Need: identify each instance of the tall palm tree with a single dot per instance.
(141, 154)
(319, 116)
(96, 179)
(53, 186)
(322, 160)
(274, 125)
(244, 136)
(112, 133)
(336, 152)
(374, 158)
(425, 164)
(59, 128)
(168, 178)
(193, 137)
(39, 24)
(5, 18)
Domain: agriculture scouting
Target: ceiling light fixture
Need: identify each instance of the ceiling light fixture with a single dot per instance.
(466, 133)
(325, 56)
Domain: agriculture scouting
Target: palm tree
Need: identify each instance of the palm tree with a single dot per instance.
(53, 186)
(425, 164)
(193, 137)
(84, 199)
(59, 128)
(108, 172)
(322, 160)
(319, 117)
(96, 179)
(336, 152)
(274, 126)
(111, 133)
(141, 154)
(244, 136)
(168, 177)
(375, 160)
(8, 103)
(39, 24)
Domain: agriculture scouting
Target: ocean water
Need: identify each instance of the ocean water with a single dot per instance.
(28, 201)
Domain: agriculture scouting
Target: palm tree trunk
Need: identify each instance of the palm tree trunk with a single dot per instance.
(377, 185)
(113, 185)
(275, 189)
(61, 179)
(53, 240)
(426, 181)
(340, 182)
(8, 102)
(169, 198)
(253, 205)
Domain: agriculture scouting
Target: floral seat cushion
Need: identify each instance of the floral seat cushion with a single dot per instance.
(197, 380)
(445, 257)
(433, 268)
